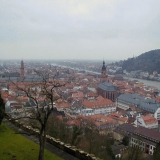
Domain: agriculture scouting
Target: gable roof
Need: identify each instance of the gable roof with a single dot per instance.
(107, 86)
(100, 119)
(100, 102)
(63, 105)
(141, 131)
(139, 101)
(148, 119)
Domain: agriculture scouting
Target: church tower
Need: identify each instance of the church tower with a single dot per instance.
(103, 72)
(22, 71)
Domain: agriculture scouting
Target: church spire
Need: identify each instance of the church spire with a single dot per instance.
(103, 72)
(103, 67)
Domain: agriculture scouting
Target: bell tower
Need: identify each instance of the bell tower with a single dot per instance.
(103, 73)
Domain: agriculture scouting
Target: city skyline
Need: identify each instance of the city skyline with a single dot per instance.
(95, 30)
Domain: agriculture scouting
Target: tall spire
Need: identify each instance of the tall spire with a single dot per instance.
(103, 67)
(103, 72)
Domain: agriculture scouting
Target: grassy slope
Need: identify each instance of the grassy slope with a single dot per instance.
(16, 147)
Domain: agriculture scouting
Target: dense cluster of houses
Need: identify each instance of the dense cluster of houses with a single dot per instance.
(109, 104)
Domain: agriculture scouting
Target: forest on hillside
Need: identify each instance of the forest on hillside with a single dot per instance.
(148, 61)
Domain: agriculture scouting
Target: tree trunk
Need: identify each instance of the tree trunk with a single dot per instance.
(42, 139)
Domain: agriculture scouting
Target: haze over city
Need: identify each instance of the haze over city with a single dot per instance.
(80, 79)
(72, 29)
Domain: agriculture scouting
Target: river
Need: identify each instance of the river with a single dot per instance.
(146, 82)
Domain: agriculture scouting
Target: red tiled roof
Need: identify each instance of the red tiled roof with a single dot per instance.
(63, 105)
(118, 116)
(100, 119)
(100, 102)
(73, 91)
(23, 98)
(115, 115)
(158, 99)
(148, 119)
(91, 94)
(77, 95)
(123, 119)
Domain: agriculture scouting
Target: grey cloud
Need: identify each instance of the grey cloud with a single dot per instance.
(112, 30)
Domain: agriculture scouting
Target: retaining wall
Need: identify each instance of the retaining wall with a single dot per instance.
(57, 143)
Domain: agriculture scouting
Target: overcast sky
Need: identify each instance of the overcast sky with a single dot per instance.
(78, 29)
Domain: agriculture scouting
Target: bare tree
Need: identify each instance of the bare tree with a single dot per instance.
(44, 95)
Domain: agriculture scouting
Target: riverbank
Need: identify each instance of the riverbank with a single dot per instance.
(146, 82)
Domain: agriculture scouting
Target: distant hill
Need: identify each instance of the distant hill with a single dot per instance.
(148, 61)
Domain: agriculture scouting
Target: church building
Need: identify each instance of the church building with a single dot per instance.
(105, 88)
(104, 73)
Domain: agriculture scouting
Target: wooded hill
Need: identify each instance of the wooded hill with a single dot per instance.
(148, 61)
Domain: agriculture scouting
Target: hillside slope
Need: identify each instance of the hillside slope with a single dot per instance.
(148, 61)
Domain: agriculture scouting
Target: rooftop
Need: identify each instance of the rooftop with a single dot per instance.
(107, 86)
(141, 131)
(139, 101)
(100, 102)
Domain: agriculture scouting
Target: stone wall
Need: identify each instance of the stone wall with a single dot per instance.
(55, 142)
